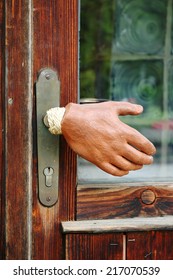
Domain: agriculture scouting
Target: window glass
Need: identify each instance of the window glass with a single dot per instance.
(126, 54)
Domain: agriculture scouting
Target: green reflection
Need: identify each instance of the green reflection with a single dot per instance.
(125, 55)
(139, 82)
(140, 26)
(170, 88)
(97, 28)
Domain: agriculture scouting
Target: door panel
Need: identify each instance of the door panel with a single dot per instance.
(94, 246)
(123, 201)
(154, 245)
(145, 238)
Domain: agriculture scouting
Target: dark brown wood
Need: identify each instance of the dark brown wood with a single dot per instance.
(122, 201)
(94, 246)
(44, 33)
(18, 128)
(154, 245)
(2, 191)
(139, 246)
(55, 44)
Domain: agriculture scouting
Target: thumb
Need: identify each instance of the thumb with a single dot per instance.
(127, 108)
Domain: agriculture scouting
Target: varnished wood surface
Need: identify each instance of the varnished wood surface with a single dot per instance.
(18, 129)
(94, 246)
(119, 225)
(2, 193)
(154, 245)
(123, 201)
(50, 30)
(55, 45)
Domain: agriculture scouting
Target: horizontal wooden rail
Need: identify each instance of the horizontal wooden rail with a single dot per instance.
(119, 225)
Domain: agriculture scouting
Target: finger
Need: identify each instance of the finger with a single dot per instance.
(136, 156)
(125, 164)
(127, 108)
(113, 170)
(137, 140)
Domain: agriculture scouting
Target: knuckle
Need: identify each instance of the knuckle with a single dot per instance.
(150, 159)
(113, 170)
(126, 167)
(138, 167)
(145, 159)
(149, 147)
(121, 173)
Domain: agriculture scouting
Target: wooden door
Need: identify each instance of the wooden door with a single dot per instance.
(36, 34)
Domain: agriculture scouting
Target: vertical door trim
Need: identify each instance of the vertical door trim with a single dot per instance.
(30, 102)
(18, 127)
(55, 44)
(2, 168)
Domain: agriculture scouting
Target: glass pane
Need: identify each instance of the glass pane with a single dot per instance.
(126, 55)
(140, 26)
(97, 30)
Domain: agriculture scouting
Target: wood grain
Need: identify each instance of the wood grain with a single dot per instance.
(119, 225)
(94, 246)
(123, 201)
(18, 129)
(145, 238)
(45, 33)
(154, 245)
(2, 85)
(55, 44)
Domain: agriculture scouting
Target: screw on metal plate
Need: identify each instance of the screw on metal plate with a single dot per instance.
(47, 96)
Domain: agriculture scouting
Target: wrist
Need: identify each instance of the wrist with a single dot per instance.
(53, 119)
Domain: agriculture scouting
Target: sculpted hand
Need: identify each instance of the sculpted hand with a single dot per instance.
(95, 132)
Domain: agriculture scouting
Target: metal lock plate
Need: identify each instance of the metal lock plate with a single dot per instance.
(47, 96)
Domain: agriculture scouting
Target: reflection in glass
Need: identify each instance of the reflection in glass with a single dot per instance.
(125, 55)
(96, 35)
(169, 102)
(140, 26)
(139, 82)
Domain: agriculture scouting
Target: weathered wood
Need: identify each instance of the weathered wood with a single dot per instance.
(56, 46)
(2, 85)
(94, 246)
(18, 128)
(119, 225)
(122, 201)
(154, 245)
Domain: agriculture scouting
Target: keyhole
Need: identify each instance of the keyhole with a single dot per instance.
(48, 172)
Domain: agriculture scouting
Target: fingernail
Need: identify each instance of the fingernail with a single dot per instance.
(139, 108)
(152, 159)
(153, 151)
